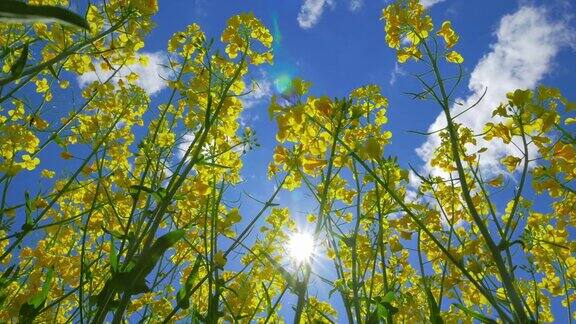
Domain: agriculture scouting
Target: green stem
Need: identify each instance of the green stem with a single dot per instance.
(323, 200)
(513, 296)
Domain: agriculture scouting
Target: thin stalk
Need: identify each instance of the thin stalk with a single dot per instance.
(323, 200)
(507, 279)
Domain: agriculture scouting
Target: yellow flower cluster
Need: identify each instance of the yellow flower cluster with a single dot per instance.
(407, 28)
(240, 31)
(20, 142)
(406, 23)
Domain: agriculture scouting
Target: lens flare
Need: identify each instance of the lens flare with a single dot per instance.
(301, 247)
(277, 36)
(283, 70)
(282, 83)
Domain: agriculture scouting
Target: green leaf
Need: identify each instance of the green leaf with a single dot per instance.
(181, 299)
(389, 297)
(39, 298)
(29, 224)
(159, 194)
(382, 311)
(474, 314)
(268, 301)
(31, 309)
(97, 299)
(20, 12)
(179, 197)
(126, 282)
(183, 296)
(373, 317)
(113, 256)
(196, 317)
(435, 316)
(18, 67)
(134, 281)
(157, 249)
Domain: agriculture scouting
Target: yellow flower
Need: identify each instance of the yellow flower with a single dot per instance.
(372, 149)
(565, 151)
(511, 162)
(331, 254)
(497, 182)
(406, 20)
(571, 267)
(454, 57)
(66, 155)
(240, 29)
(146, 7)
(395, 245)
(40, 203)
(519, 97)
(48, 173)
(39, 123)
(234, 216)
(446, 31)
(348, 217)
(132, 78)
(219, 259)
(293, 181)
(29, 163)
(201, 188)
(64, 84)
(42, 85)
(300, 86)
(311, 218)
(406, 53)
(165, 139)
(312, 165)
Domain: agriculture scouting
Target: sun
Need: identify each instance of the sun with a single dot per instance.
(301, 247)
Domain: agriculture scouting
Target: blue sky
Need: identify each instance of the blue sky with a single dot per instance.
(339, 45)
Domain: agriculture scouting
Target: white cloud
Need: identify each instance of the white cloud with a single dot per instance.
(398, 71)
(356, 5)
(311, 11)
(527, 42)
(430, 3)
(150, 76)
(184, 144)
(260, 91)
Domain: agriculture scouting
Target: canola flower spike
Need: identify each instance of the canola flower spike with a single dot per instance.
(407, 25)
